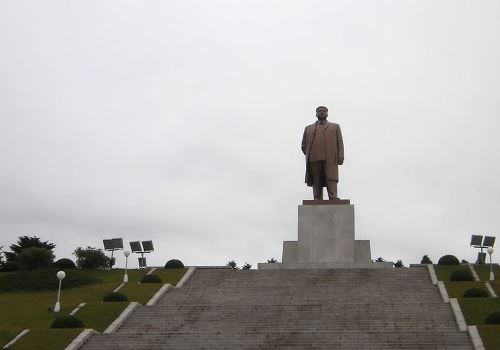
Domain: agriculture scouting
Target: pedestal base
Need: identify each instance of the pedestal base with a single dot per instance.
(326, 240)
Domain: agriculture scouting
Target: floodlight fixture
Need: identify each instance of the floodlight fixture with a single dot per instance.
(148, 246)
(489, 241)
(112, 245)
(136, 247)
(478, 241)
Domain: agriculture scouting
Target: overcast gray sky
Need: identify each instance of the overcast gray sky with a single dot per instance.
(181, 121)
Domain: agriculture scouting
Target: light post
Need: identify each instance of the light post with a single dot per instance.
(125, 276)
(490, 251)
(60, 276)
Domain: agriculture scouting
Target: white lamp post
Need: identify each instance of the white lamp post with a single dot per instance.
(125, 276)
(60, 276)
(490, 251)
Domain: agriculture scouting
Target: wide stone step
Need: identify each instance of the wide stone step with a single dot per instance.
(294, 309)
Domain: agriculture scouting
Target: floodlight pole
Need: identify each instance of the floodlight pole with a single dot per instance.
(492, 275)
(60, 277)
(125, 276)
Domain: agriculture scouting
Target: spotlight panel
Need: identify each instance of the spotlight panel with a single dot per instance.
(476, 240)
(136, 246)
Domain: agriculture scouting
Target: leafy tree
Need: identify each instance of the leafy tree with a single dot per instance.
(35, 258)
(380, 259)
(272, 261)
(399, 263)
(247, 266)
(91, 258)
(232, 264)
(25, 242)
(426, 260)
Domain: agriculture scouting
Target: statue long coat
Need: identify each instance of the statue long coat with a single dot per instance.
(334, 150)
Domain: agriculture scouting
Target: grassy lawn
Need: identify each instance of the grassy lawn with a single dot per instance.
(140, 292)
(6, 334)
(457, 289)
(475, 310)
(171, 276)
(496, 286)
(489, 335)
(22, 310)
(46, 339)
(443, 272)
(483, 271)
(100, 315)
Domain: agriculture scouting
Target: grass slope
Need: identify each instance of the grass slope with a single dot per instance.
(22, 310)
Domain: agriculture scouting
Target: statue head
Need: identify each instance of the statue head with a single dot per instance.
(321, 113)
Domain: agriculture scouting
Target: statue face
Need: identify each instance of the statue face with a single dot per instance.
(322, 113)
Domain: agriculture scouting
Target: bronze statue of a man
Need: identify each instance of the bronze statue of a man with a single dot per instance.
(324, 150)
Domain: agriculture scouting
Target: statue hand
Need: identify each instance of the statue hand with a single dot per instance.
(341, 161)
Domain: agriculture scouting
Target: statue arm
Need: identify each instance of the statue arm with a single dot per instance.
(340, 146)
(304, 142)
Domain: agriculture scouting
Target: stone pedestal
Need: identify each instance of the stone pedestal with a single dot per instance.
(326, 239)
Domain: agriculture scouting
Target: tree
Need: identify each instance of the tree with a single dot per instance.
(25, 242)
(232, 264)
(91, 258)
(247, 266)
(272, 261)
(399, 263)
(426, 260)
(35, 258)
(380, 259)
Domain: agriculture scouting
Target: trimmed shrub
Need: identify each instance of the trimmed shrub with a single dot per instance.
(399, 263)
(461, 275)
(67, 321)
(493, 318)
(115, 297)
(174, 264)
(448, 260)
(476, 293)
(9, 266)
(247, 266)
(43, 279)
(64, 263)
(426, 260)
(232, 264)
(151, 279)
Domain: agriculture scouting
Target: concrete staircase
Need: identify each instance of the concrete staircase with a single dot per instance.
(294, 309)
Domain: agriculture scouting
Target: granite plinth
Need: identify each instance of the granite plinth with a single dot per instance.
(326, 239)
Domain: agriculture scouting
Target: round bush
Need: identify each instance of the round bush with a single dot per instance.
(65, 263)
(493, 318)
(115, 297)
(426, 260)
(461, 275)
(151, 279)
(448, 260)
(67, 321)
(174, 264)
(10, 266)
(476, 293)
